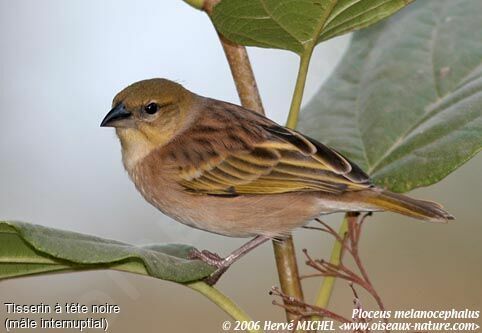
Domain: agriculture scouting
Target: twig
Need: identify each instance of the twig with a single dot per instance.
(350, 244)
(355, 229)
(303, 310)
(331, 231)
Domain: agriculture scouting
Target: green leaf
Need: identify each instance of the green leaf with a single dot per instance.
(296, 25)
(27, 249)
(405, 102)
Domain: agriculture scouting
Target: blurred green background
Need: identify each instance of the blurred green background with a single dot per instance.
(62, 63)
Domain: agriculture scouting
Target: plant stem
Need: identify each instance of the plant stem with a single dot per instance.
(243, 75)
(239, 64)
(222, 301)
(289, 277)
(299, 89)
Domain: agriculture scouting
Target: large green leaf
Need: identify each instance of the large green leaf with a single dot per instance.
(27, 249)
(295, 25)
(405, 103)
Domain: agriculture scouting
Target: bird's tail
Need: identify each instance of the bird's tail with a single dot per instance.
(377, 199)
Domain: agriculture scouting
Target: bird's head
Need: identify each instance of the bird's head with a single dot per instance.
(148, 114)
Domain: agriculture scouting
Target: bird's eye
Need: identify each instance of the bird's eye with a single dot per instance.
(151, 108)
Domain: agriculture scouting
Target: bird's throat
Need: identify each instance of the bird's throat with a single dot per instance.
(135, 146)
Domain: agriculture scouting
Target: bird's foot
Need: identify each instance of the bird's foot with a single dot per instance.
(222, 264)
(206, 256)
(211, 259)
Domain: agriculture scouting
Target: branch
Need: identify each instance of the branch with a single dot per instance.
(288, 274)
(243, 75)
(240, 66)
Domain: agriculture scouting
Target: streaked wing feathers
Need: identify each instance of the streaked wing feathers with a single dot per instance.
(236, 151)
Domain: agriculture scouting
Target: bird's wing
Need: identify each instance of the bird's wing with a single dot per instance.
(232, 151)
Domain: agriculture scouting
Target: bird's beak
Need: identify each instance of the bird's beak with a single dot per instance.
(117, 117)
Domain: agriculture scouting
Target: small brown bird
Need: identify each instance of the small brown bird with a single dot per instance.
(225, 169)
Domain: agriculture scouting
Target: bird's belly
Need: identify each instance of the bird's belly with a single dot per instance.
(241, 216)
(246, 216)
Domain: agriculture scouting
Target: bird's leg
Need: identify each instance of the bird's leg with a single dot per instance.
(223, 264)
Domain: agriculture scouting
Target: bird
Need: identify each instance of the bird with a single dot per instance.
(225, 169)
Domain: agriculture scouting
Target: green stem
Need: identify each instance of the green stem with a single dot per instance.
(303, 70)
(222, 301)
(326, 289)
(299, 89)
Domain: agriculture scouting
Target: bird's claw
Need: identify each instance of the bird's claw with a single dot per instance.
(206, 256)
(211, 259)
